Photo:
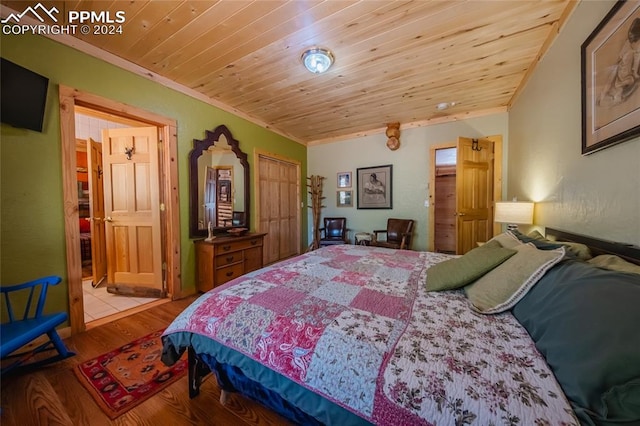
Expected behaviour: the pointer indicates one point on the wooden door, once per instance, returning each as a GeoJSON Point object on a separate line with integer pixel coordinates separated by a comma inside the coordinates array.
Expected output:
{"type": "Point", "coordinates": [474, 192]}
{"type": "Point", "coordinates": [210, 197]}
{"type": "Point", "coordinates": [96, 210]}
{"type": "Point", "coordinates": [132, 211]}
{"type": "Point", "coordinates": [279, 214]}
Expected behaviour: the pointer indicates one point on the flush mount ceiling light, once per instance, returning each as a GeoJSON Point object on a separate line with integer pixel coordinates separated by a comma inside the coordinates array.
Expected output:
{"type": "Point", "coordinates": [317, 60]}
{"type": "Point", "coordinates": [444, 105]}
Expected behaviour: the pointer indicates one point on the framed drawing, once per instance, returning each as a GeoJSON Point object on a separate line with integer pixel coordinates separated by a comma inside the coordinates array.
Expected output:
{"type": "Point", "coordinates": [610, 79]}
{"type": "Point", "coordinates": [344, 180]}
{"type": "Point", "coordinates": [375, 187]}
{"type": "Point", "coordinates": [344, 199]}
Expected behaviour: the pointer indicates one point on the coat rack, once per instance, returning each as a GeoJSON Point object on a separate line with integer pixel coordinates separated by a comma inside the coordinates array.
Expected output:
{"type": "Point", "coordinates": [315, 189]}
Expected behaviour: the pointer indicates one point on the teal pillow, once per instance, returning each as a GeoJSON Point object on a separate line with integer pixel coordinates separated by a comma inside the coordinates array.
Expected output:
{"type": "Point", "coordinates": [584, 320]}
{"type": "Point", "coordinates": [458, 272]}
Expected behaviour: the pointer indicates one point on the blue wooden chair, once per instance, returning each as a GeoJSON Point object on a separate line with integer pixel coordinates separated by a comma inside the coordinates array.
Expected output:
{"type": "Point", "coordinates": [19, 331]}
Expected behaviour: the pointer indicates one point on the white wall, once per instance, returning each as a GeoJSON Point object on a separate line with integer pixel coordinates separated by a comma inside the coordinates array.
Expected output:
{"type": "Point", "coordinates": [410, 171]}
{"type": "Point", "coordinates": [598, 194]}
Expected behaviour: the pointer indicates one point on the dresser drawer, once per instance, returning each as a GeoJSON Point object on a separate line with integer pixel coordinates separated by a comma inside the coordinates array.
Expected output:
{"type": "Point", "coordinates": [228, 247]}
{"type": "Point", "coordinates": [229, 258]}
{"type": "Point", "coordinates": [228, 273]}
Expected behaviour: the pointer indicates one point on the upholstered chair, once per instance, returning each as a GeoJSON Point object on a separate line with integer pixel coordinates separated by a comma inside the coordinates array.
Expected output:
{"type": "Point", "coordinates": [334, 231]}
{"type": "Point", "coordinates": [399, 232]}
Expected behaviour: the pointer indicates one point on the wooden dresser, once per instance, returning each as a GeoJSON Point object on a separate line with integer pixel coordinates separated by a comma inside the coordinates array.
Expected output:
{"type": "Point", "coordinates": [226, 258]}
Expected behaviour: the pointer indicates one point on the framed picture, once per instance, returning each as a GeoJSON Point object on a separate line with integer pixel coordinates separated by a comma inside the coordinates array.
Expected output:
{"type": "Point", "coordinates": [375, 187]}
{"type": "Point", "coordinates": [610, 82]}
{"type": "Point", "coordinates": [344, 180]}
{"type": "Point", "coordinates": [344, 199]}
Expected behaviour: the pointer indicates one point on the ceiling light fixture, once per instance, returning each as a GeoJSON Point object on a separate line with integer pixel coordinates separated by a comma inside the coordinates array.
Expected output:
{"type": "Point", "coordinates": [444, 105]}
{"type": "Point", "coordinates": [317, 60]}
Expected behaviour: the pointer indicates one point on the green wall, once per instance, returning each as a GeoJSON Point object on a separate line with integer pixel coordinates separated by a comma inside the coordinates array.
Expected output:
{"type": "Point", "coordinates": [596, 194]}
{"type": "Point", "coordinates": [32, 240]}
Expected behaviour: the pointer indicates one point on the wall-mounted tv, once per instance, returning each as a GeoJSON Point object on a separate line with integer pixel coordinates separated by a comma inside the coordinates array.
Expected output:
{"type": "Point", "coordinates": [24, 96]}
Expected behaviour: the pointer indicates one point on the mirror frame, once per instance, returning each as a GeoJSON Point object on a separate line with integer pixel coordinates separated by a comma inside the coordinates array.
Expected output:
{"type": "Point", "coordinates": [199, 146]}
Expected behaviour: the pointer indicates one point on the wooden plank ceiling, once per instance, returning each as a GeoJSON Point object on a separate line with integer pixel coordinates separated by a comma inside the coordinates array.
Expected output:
{"type": "Point", "coordinates": [395, 60]}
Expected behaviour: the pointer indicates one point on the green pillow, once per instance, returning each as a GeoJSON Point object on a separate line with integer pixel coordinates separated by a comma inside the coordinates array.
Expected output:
{"type": "Point", "coordinates": [580, 251]}
{"type": "Point", "coordinates": [507, 240]}
{"type": "Point", "coordinates": [458, 272]}
{"type": "Point", "coordinates": [614, 263]}
{"type": "Point", "coordinates": [500, 289]}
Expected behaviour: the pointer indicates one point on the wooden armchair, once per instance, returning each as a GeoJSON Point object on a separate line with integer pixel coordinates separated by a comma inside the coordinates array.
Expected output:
{"type": "Point", "coordinates": [334, 231]}
{"type": "Point", "coordinates": [21, 330]}
{"type": "Point", "coordinates": [399, 232]}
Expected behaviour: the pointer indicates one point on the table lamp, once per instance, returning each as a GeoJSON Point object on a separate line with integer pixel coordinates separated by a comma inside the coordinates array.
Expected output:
{"type": "Point", "coordinates": [513, 213]}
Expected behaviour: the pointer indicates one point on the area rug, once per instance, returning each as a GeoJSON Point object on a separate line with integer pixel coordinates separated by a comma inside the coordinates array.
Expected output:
{"type": "Point", "coordinates": [123, 378]}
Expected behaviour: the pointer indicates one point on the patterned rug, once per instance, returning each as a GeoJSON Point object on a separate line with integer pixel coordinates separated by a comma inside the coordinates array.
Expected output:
{"type": "Point", "coordinates": [123, 378]}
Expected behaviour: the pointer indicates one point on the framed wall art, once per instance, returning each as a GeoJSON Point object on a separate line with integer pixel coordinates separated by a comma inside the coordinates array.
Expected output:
{"type": "Point", "coordinates": [611, 79]}
{"type": "Point", "coordinates": [344, 198]}
{"type": "Point", "coordinates": [344, 180]}
{"type": "Point", "coordinates": [375, 187]}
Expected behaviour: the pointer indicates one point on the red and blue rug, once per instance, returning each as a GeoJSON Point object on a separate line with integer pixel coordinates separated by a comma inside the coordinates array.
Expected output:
{"type": "Point", "coordinates": [123, 378]}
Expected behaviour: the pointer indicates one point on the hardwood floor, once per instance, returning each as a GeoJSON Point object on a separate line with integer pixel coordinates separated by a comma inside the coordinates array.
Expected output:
{"type": "Point", "coordinates": [53, 395]}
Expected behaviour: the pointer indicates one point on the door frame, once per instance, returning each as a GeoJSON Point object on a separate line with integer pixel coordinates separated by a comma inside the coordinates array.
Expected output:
{"type": "Point", "coordinates": [497, 182]}
{"type": "Point", "coordinates": [170, 217]}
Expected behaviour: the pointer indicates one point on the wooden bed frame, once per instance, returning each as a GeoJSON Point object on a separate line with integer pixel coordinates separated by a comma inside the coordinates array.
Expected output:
{"type": "Point", "coordinates": [629, 252]}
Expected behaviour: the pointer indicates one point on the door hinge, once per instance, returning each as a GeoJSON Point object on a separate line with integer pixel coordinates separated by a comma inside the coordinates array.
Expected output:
{"type": "Point", "coordinates": [162, 207]}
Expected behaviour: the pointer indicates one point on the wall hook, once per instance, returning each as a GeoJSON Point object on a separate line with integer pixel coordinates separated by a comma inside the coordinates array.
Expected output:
{"type": "Point", "coordinates": [129, 151]}
{"type": "Point", "coordinates": [474, 145]}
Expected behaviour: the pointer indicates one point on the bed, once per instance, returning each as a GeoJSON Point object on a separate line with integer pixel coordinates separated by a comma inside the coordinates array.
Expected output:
{"type": "Point", "coordinates": [359, 335]}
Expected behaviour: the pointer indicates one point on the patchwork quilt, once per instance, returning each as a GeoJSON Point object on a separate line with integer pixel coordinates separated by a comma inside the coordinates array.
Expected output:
{"type": "Point", "coordinates": [355, 325]}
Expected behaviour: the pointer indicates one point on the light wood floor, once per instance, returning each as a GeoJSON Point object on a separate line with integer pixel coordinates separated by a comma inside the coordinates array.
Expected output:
{"type": "Point", "coordinates": [53, 395]}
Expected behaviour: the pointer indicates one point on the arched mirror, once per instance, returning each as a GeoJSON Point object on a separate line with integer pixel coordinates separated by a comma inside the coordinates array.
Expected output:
{"type": "Point", "coordinates": [219, 184]}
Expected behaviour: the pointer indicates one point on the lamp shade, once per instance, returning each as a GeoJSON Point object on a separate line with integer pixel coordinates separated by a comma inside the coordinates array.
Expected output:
{"type": "Point", "coordinates": [514, 212]}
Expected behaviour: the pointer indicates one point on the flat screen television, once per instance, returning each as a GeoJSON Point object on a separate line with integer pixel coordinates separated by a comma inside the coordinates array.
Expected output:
{"type": "Point", "coordinates": [24, 96]}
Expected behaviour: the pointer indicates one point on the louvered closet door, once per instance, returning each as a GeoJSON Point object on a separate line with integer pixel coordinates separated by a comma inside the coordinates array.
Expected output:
{"type": "Point", "coordinates": [279, 214]}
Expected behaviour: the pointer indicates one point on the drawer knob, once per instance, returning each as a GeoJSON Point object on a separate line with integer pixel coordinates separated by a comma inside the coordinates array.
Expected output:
{"type": "Point", "coordinates": [226, 248]}
{"type": "Point", "coordinates": [229, 274]}
{"type": "Point", "coordinates": [229, 259]}
{"type": "Point", "coordinates": [254, 242]}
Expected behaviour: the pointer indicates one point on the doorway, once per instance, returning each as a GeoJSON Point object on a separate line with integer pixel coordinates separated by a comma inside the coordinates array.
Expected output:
{"type": "Point", "coordinates": [277, 184]}
{"type": "Point", "coordinates": [465, 180]}
{"type": "Point", "coordinates": [167, 190]}
{"type": "Point", "coordinates": [101, 299]}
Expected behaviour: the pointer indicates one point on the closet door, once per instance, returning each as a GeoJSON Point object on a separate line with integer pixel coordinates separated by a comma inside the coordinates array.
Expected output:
{"type": "Point", "coordinates": [279, 211]}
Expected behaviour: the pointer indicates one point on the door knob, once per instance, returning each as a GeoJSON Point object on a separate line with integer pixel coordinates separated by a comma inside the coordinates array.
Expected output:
{"type": "Point", "coordinates": [108, 219]}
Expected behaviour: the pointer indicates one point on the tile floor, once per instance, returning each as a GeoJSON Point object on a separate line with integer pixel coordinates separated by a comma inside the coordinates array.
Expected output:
{"type": "Point", "coordinates": [99, 303]}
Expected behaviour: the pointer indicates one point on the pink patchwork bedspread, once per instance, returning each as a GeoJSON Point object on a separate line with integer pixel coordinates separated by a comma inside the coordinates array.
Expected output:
{"type": "Point", "coordinates": [355, 325]}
